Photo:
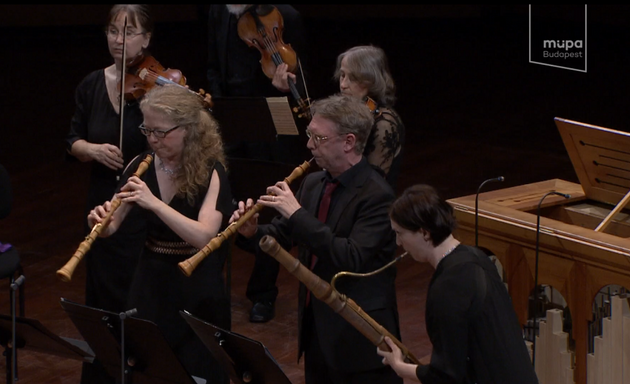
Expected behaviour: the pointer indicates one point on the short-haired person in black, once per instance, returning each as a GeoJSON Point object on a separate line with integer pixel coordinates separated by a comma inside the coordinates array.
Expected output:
{"type": "Point", "coordinates": [469, 316]}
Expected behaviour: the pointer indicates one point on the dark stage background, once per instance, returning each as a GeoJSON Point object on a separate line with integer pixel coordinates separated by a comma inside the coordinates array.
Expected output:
{"type": "Point", "coordinates": [473, 105]}
{"type": "Point", "coordinates": [462, 72]}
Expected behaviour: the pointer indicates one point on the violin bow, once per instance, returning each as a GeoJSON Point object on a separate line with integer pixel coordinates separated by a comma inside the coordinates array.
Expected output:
{"type": "Point", "coordinates": [121, 97]}
{"type": "Point", "coordinates": [308, 98]}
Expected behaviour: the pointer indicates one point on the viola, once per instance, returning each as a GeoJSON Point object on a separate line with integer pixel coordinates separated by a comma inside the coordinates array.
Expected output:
{"type": "Point", "coordinates": [144, 72]}
{"type": "Point", "coordinates": [262, 27]}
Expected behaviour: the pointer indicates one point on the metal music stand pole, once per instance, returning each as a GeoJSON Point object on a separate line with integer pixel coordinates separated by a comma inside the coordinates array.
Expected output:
{"type": "Point", "coordinates": [14, 286]}
{"type": "Point", "coordinates": [123, 366]}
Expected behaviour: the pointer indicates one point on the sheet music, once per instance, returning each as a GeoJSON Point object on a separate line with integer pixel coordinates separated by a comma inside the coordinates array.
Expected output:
{"type": "Point", "coordinates": [282, 115]}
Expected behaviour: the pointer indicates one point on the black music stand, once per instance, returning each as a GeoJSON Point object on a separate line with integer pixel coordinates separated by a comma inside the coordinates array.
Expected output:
{"type": "Point", "coordinates": [245, 360]}
{"type": "Point", "coordinates": [150, 360]}
{"type": "Point", "coordinates": [30, 334]}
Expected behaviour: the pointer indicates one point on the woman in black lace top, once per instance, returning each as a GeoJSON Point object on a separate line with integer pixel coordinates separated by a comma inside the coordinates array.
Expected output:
{"type": "Point", "coordinates": [363, 72]}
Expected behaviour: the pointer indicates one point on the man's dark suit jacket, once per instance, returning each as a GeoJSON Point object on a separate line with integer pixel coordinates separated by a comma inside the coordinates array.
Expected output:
{"type": "Point", "coordinates": [356, 237]}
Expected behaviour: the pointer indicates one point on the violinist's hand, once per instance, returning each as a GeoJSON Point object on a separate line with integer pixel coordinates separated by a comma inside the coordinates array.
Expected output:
{"type": "Point", "coordinates": [249, 227]}
{"type": "Point", "coordinates": [280, 197]}
{"type": "Point", "coordinates": [281, 78]}
{"type": "Point", "coordinates": [108, 155]}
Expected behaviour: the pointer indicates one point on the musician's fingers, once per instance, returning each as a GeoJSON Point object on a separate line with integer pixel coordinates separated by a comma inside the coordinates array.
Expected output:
{"type": "Point", "coordinates": [391, 343]}
{"type": "Point", "coordinates": [242, 208]}
{"type": "Point", "coordinates": [264, 199]}
{"type": "Point", "coordinates": [115, 151]}
{"type": "Point", "coordinates": [282, 185]}
{"type": "Point", "coordinates": [111, 163]}
{"type": "Point", "coordinates": [134, 180]}
{"type": "Point", "coordinates": [274, 189]}
{"type": "Point", "coordinates": [99, 212]}
{"type": "Point", "coordinates": [281, 69]}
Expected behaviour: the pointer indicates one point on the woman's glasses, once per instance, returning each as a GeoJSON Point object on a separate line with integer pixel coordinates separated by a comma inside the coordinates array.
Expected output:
{"type": "Point", "coordinates": [160, 134]}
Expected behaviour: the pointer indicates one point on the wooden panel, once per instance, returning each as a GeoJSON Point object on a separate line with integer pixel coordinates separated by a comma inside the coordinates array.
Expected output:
{"type": "Point", "coordinates": [575, 260]}
{"type": "Point", "coordinates": [600, 157]}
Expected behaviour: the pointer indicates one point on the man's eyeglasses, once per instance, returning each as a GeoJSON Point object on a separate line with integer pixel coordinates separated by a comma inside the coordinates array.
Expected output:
{"type": "Point", "coordinates": [160, 134]}
{"type": "Point", "coordinates": [317, 139]}
{"type": "Point", "coordinates": [113, 33]}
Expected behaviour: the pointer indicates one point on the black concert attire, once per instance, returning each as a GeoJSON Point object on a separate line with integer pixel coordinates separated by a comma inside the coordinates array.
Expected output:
{"type": "Point", "coordinates": [384, 147]}
{"type": "Point", "coordinates": [472, 325]}
{"type": "Point", "coordinates": [160, 289]}
{"type": "Point", "coordinates": [111, 261]}
{"type": "Point", "coordinates": [355, 237]}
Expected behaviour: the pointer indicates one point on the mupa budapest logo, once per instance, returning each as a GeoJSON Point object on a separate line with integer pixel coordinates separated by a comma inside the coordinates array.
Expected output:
{"type": "Point", "coordinates": [557, 36]}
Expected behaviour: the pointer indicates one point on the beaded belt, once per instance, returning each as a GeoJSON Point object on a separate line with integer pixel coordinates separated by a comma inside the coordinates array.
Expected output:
{"type": "Point", "coordinates": [170, 247]}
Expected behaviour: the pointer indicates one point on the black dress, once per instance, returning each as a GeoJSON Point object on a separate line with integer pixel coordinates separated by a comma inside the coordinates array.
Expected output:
{"type": "Point", "coordinates": [111, 262]}
{"type": "Point", "coordinates": [472, 325]}
{"type": "Point", "coordinates": [160, 290]}
{"type": "Point", "coordinates": [384, 147]}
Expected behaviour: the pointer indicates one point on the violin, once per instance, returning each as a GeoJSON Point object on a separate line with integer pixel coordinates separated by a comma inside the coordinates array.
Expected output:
{"type": "Point", "coordinates": [262, 26]}
{"type": "Point", "coordinates": [144, 72]}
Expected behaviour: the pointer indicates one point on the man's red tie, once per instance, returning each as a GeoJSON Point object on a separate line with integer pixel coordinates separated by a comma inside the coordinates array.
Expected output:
{"type": "Point", "coordinates": [324, 205]}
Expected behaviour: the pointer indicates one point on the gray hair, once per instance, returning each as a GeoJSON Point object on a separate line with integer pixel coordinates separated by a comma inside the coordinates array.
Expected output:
{"type": "Point", "coordinates": [368, 66]}
{"type": "Point", "coordinates": [349, 115]}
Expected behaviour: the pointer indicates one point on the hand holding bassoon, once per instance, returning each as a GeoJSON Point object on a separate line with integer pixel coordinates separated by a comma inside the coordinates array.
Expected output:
{"type": "Point", "coordinates": [65, 273]}
{"type": "Point", "coordinates": [342, 305]}
{"type": "Point", "coordinates": [188, 266]}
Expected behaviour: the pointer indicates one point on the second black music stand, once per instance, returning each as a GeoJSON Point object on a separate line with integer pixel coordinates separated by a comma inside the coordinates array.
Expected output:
{"type": "Point", "coordinates": [245, 360]}
{"type": "Point", "coordinates": [150, 360]}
